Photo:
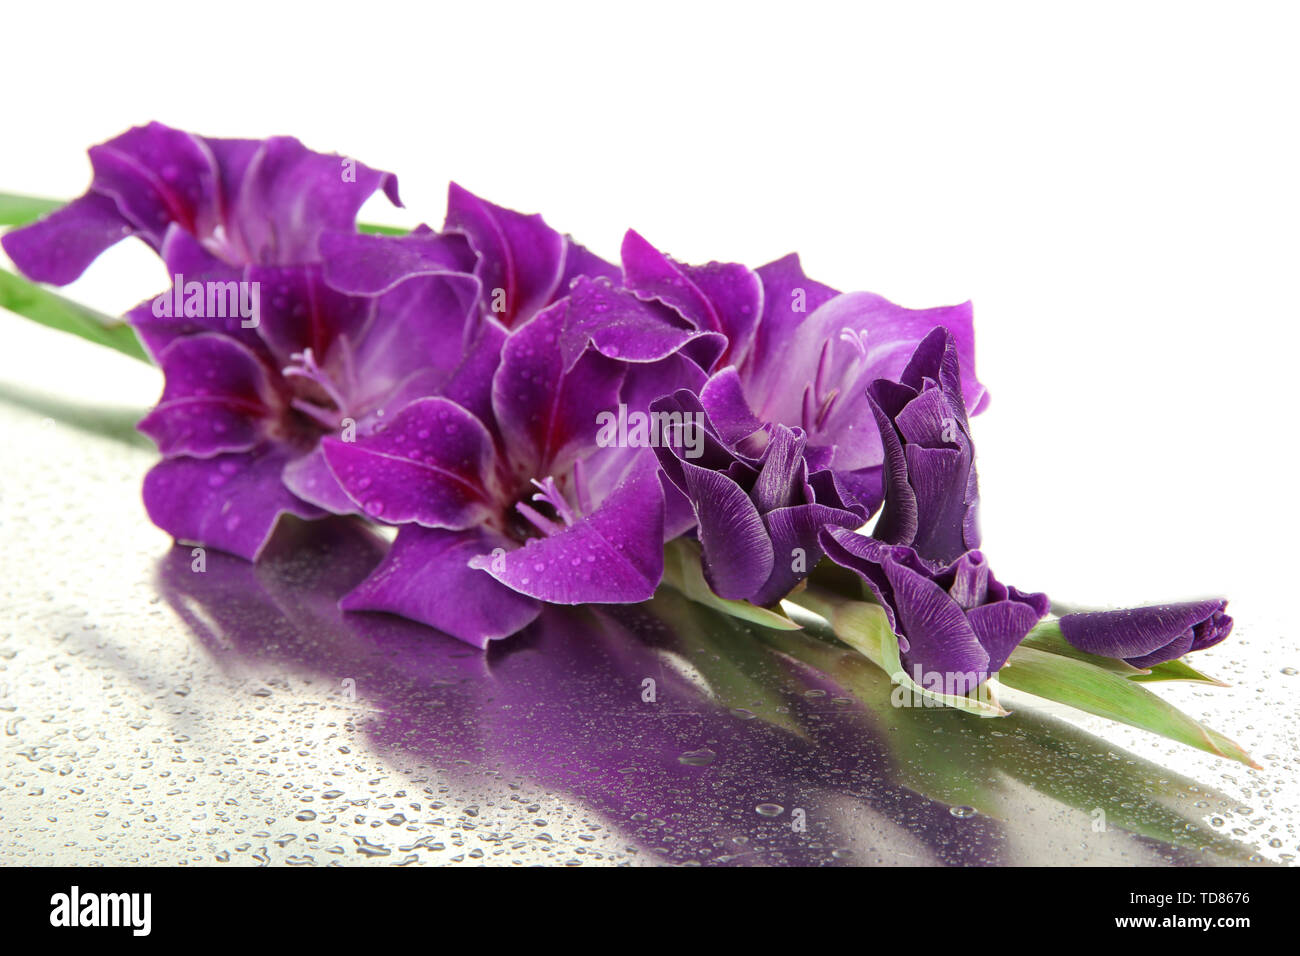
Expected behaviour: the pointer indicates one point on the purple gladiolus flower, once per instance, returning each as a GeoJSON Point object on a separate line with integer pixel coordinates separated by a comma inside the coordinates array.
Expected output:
{"type": "Point", "coordinates": [241, 417]}
{"type": "Point", "coordinates": [1147, 636]}
{"type": "Point", "coordinates": [931, 489]}
{"type": "Point", "coordinates": [956, 623]}
{"type": "Point", "coordinates": [343, 329]}
{"type": "Point", "coordinates": [757, 517]}
{"type": "Point", "coordinates": [506, 499]}
{"type": "Point", "coordinates": [801, 354]}
{"type": "Point", "coordinates": [238, 201]}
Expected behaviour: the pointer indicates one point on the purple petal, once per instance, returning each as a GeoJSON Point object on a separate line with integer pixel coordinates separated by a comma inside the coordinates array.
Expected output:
{"type": "Point", "coordinates": [1211, 631]}
{"type": "Point", "coordinates": [430, 465]}
{"type": "Point", "coordinates": [644, 383]}
{"type": "Point", "coordinates": [580, 261]}
{"type": "Point", "coordinates": [866, 557]}
{"type": "Point", "coordinates": [795, 549]}
{"type": "Point", "coordinates": [162, 320]}
{"type": "Point", "coordinates": [310, 478]}
{"type": "Point", "coordinates": [789, 297]}
{"type": "Point", "coordinates": [547, 413]}
{"type": "Point", "coordinates": [230, 502]}
{"type": "Point", "coordinates": [781, 473]}
{"type": "Point", "coordinates": [426, 577]}
{"type": "Point", "coordinates": [299, 311]}
{"type": "Point", "coordinates": [289, 196]}
{"type": "Point", "coordinates": [938, 478]}
{"type": "Point", "coordinates": [470, 384]}
{"type": "Point", "coordinates": [520, 256]}
{"type": "Point", "coordinates": [58, 248]}
{"type": "Point", "coordinates": [940, 638]}
{"type": "Point", "coordinates": [719, 297]}
{"type": "Point", "coordinates": [737, 551]}
{"type": "Point", "coordinates": [723, 398]}
{"type": "Point", "coordinates": [866, 486]}
{"type": "Point", "coordinates": [1175, 649]}
{"type": "Point", "coordinates": [619, 325]}
{"type": "Point", "coordinates": [901, 518]}
{"type": "Point", "coordinates": [362, 264]}
{"type": "Point", "coordinates": [158, 176]}
{"type": "Point", "coordinates": [217, 398]}
{"type": "Point", "coordinates": [424, 327]}
{"type": "Point", "coordinates": [1000, 627]}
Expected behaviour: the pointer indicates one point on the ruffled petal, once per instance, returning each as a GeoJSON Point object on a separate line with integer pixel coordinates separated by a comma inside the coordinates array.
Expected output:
{"type": "Point", "coordinates": [794, 534]}
{"type": "Point", "coordinates": [426, 577]}
{"type": "Point", "coordinates": [737, 552]}
{"type": "Point", "coordinates": [157, 176]}
{"type": "Point", "coordinates": [288, 196]}
{"type": "Point", "coordinates": [218, 397]}
{"type": "Point", "coordinates": [718, 297]}
{"type": "Point", "coordinates": [940, 639]}
{"type": "Point", "coordinates": [619, 325]}
{"type": "Point", "coordinates": [361, 264]}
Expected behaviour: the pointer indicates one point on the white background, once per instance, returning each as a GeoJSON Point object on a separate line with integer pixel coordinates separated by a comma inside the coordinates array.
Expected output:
{"type": "Point", "coordinates": [1114, 185]}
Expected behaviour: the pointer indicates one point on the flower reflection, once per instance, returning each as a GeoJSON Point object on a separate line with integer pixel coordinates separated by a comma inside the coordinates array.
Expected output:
{"type": "Point", "coordinates": [673, 725]}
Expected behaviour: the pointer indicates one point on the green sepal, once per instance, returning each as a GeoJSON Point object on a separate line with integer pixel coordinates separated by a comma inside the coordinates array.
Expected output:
{"type": "Point", "coordinates": [684, 572]}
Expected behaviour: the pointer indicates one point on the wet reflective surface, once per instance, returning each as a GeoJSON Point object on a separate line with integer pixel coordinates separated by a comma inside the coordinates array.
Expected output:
{"type": "Point", "coordinates": [158, 709]}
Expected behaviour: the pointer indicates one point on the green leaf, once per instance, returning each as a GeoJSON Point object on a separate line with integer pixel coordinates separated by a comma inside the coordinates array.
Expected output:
{"type": "Point", "coordinates": [1000, 767]}
{"type": "Point", "coordinates": [1047, 637]}
{"type": "Point", "coordinates": [48, 308]}
{"type": "Point", "coordinates": [684, 572]}
{"type": "Point", "coordinates": [1096, 691]}
{"type": "Point", "coordinates": [21, 210]}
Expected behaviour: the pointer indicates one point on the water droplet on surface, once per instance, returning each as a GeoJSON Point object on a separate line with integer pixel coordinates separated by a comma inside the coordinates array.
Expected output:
{"type": "Point", "coordinates": [698, 758]}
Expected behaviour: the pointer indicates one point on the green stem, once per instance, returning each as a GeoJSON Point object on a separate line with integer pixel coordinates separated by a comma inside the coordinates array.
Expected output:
{"type": "Point", "coordinates": [20, 210]}
{"type": "Point", "coordinates": [53, 310]}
